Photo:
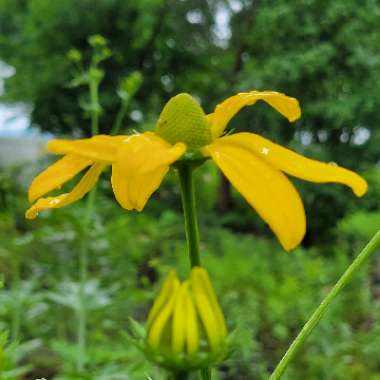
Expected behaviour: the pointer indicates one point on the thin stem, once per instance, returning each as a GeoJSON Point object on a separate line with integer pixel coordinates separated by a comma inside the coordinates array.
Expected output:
{"type": "Point", "coordinates": [16, 312]}
{"type": "Point", "coordinates": [190, 213]}
{"type": "Point", "coordinates": [119, 118]}
{"type": "Point", "coordinates": [185, 171]}
{"type": "Point", "coordinates": [83, 248]}
{"type": "Point", "coordinates": [321, 309]}
{"type": "Point", "coordinates": [178, 376]}
{"type": "Point", "coordinates": [206, 373]}
{"type": "Point", "coordinates": [94, 97]}
{"type": "Point", "coordinates": [83, 269]}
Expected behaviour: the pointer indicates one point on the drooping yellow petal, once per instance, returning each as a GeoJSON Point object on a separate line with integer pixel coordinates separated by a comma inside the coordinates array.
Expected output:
{"type": "Point", "coordinates": [296, 165]}
{"type": "Point", "coordinates": [80, 190]}
{"type": "Point", "coordinates": [143, 161]}
{"type": "Point", "coordinates": [192, 331]}
{"type": "Point", "coordinates": [226, 110]}
{"type": "Point", "coordinates": [101, 148]}
{"type": "Point", "coordinates": [56, 175]}
{"type": "Point", "coordinates": [170, 285]}
{"type": "Point", "coordinates": [204, 280]}
{"type": "Point", "coordinates": [265, 188]}
{"type": "Point", "coordinates": [179, 319]}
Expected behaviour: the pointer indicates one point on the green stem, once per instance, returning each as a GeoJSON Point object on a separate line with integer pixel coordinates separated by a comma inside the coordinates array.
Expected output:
{"type": "Point", "coordinates": [94, 97]}
{"type": "Point", "coordinates": [206, 374]}
{"type": "Point", "coordinates": [83, 248]}
{"type": "Point", "coordinates": [119, 118]}
{"type": "Point", "coordinates": [83, 268]}
{"type": "Point", "coordinates": [185, 171]}
{"type": "Point", "coordinates": [16, 312]}
{"type": "Point", "coordinates": [321, 309]}
{"type": "Point", "coordinates": [178, 376]}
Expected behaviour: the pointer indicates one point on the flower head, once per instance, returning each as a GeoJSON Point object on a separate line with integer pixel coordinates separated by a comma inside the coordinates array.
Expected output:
{"type": "Point", "coordinates": [255, 166]}
{"type": "Point", "coordinates": [183, 120]}
{"type": "Point", "coordinates": [186, 327]}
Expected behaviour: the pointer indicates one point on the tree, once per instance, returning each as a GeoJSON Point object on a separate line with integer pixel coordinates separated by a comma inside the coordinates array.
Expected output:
{"type": "Point", "coordinates": [325, 53]}
{"type": "Point", "coordinates": [169, 42]}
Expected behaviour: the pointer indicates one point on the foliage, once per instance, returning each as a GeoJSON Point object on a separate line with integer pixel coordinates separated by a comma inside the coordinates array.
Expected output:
{"type": "Point", "coordinates": [7, 365]}
{"type": "Point", "coordinates": [267, 294]}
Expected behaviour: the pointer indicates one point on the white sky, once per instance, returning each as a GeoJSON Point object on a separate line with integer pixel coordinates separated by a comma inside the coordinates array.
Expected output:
{"type": "Point", "coordinates": [14, 119]}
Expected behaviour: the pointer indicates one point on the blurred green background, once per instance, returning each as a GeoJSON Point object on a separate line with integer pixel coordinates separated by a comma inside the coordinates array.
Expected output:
{"type": "Point", "coordinates": [325, 53]}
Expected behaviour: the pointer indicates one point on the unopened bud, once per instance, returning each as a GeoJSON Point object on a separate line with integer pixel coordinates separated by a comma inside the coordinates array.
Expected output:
{"type": "Point", "coordinates": [186, 328]}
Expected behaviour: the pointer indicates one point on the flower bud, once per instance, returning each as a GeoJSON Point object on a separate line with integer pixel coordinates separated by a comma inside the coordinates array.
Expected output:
{"type": "Point", "coordinates": [183, 120]}
{"type": "Point", "coordinates": [186, 328]}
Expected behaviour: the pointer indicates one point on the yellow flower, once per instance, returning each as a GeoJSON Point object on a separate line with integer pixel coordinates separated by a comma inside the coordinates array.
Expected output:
{"type": "Point", "coordinates": [139, 163]}
{"type": "Point", "coordinates": [186, 327]}
{"type": "Point", "coordinates": [254, 165]}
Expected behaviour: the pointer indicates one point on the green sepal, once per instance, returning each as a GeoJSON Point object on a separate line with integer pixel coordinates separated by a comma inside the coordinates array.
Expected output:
{"type": "Point", "coordinates": [137, 329]}
{"type": "Point", "coordinates": [135, 334]}
{"type": "Point", "coordinates": [193, 158]}
{"type": "Point", "coordinates": [165, 358]}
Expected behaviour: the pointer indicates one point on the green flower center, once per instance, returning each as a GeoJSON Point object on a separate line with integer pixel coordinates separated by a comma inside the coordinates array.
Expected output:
{"type": "Point", "coordinates": [183, 120]}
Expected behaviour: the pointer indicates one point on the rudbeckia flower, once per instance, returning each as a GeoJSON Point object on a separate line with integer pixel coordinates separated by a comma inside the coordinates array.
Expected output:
{"type": "Point", "coordinates": [186, 328]}
{"type": "Point", "coordinates": [255, 166]}
{"type": "Point", "coordinates": [139, 163]}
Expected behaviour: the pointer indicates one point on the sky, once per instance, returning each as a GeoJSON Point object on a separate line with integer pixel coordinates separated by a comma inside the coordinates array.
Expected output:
{"type": "Point", "coordinates": [14, 119]}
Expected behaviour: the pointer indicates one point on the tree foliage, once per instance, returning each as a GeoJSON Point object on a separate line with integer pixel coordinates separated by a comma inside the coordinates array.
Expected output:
{"type": "Point", "coordinates": [325, 53]}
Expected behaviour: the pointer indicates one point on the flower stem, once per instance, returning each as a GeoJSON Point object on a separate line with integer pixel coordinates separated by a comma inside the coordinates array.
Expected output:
{"type": "Point", "coordinates": [94, 98]}
{"type": "Point", "coordinates": [321, 309]}
{"type": "Point", "coordinates": [16, 311]}
{"type": "Point", "coordinates": [206, 374]}
{"type": "Point", "coordinates": [119, 118]}
{"type": "Point", "coordinates": [185, 171]}
{"type": "Point", "coordinates": [83, 247]}
{"type": "Point", "coordinates": [178, 376]}
{"type": "Point", "coordinates": [83, 269]}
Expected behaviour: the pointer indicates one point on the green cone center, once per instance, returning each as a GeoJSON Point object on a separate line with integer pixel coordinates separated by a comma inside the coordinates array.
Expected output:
{"type": "Point", "coordinates": [183, 120]}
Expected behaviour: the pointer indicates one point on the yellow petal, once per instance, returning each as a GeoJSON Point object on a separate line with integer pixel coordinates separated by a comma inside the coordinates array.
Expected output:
{"type": "Point", "coordinates": [296, 165]}
{"type": "Point", "coordinates": [56, 175]}
{"type": "Point", "coordinates": [98, 148]}
{"type": "Point", "coordinates": [226, 110]}
{"type": "Point", "coordinates": [192, 332]}
{"type": "Point", "coordinates": [159, 323]}
{"type": "Point", "coordinates": [170, 285]}
{"type": "Point", "coordinates": [206, 312]}
{"type": "Point", "coordinates": [204, 280]}
{"type": "Point", "coordinates": [142, 162]}
{"type": "Point", "coordinates": [179, 319]}
{"type": "Point", "coordinates": [79, 191]}
{"type": "Point", "coordinates": [265, 188]}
